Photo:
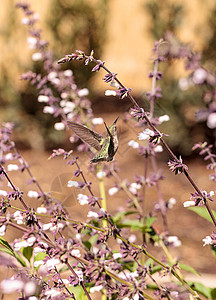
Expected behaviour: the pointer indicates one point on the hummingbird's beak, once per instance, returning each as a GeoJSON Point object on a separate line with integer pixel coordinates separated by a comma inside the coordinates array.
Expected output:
{"type": "Point", "coordinates": [116, 120]}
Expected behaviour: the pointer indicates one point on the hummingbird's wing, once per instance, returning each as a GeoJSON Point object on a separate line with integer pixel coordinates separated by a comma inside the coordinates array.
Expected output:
{"type": "Point", "coordinates": [86, 135]}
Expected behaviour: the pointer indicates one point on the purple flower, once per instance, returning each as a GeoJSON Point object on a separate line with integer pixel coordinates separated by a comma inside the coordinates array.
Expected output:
{"type": "Point", "coordinates": [201, 199]}
{"type": "Point", "coordinates": [155, 94]}
{"type": "Point", "coordinates": [98, 66]}
{"type": "Point", "coordinates": [177, 166]}
{"type": "Point", "coordinates": [77, 173]}
{"type": "Point", "coordinates": [138, 113]}
{"type": "Point", "coordinates": [65, 59]}
{"type": "Point", "coordinates": [110, 77]}
{"type": "Point", "coordinates": [123, 92]}
{"type": "Point", "coordinates": [89, 58]}
{"type": "Point", "coordinates": [158, 75]}
{"type": "Point", "coordinates": [57, 153]}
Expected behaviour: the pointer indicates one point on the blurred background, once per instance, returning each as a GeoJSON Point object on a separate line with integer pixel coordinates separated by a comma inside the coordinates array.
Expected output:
{"type": "Point", "coordinates": [123, 36]}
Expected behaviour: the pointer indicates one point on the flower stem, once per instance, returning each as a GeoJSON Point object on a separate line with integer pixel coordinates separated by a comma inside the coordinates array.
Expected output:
{"type": "Point", "coordinates": [103, 196]}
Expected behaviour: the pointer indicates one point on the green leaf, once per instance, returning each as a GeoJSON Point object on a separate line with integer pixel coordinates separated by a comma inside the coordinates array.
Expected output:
{"type": "Point", "coordinates": [4, 243]}
{"type": "Point", "coordinates": [87, 244]}
{"type": "Point", "coordinates": [91, 241]}
{"type": "Point", "coordinates": [20, 260]}
{"type": "Point", "coordinates": [78, 292]}
{"type": "Point", "coordinates": [16, 255]}
{"type": "Point", "coordinates": [133, 224]}
{"type": "Point", "coordinates": [202, 211]}
{"type": "Point", "coordinates": [149, 221]}
{"type": "Point", "coordinates": [152, 286]}
{"type": "Point", "coordinates": [121, 215]}
{"type": "Point", "coordinates": [129, 265]}
{"type": "Point", "coordinates": [40, 256]}
{"type": "Point", "coordinates": [27, 252]}
{"type": "Point", "coordinates": [156, 269]}
{"type": "Point", "coordinates": [209, 293]}
{"type": "Point", "coordinates": [10, 251]}
{"type": "Point", "coordinates": [188, 268]}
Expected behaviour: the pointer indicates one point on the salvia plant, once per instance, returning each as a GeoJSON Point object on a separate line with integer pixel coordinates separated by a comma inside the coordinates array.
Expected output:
{"type": "Point", "coordinates": [57, 257]}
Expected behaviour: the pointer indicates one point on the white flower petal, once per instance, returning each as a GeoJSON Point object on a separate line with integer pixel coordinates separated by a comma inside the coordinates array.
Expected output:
{"type": "Point", "coordinates": [79, 274]}
{"type": "Point", "coordinates": [53, 293]}
{"type": "Point", "coordinates": [47, 226]}
{"type": "Point", "coordinates": [101, 174]}
{"type": "Point", "coordinates": [133, 190]}
{"type": "Point", "coordinates": [183, 84]}
{"type": "Point", "coordinates": [25, 21]}
{"type": "Point", "coordinates": [83, 199]}
{"type": "Point", "coordinates": [188, 203]}
{"type": "Point", "coordinates": [97, 121]}
{"type": "Point", "coordinates": [31, 240]}
{"type": "Point", "coordinates": [171, 202]}
{"type": "Point", "coordinates": [207, 240]}
{"type": "Point", "coordinates": [174, 240]}
{"type": "Point", "coordinates": [32, 41]}
{"type": "Point", "coordinates": [199, 76]}
{"type": "Point", "coordinates": [110, 93]}
{"type": "Point", "coordinates": [117, 255]}
{"type": "Point", "coordinates": [32, 194]}
{"type": "Point", "coordinates": [2, 230]}
{"type": "Point", "coordinates": [9, 286]}
{"type": "Point", "coordinates": [136, 185]}
{"type": "Point", "coordinates": [30, 288]}
{"type": "Point", "coordinates": [92, 214]}
{"type": "Point", "coordinates": [12, 167]}
{"type": "Point", "coordinates": [59, 126]}
{"type": "Point", "coordinates": [146, 134]}
{"type": "Point", "coordinates": [96, 288]}
{"type": "Point", "coordinates": [158, 149]}
{"type": "Point", "coordinates": [9, 156]}
{"type": "Point", "coordinates": [112, 191]}
{"type": "Point", "coordinates": [164, 118]}
{"type": "Point", "coordinates": [52, 75]}
{"type": "Point", "coordinates": [3, 193]}
{"type": "Point", "coordinates": [48, 110]}
{"type": "Point", "coordinates": [211, 193]}
{"type": "Point", "coordinates": [38, 263]}
{"type": "Point", "coordinates": [76, 252]}
{"type": "Point", "coordinates": [68, 73]}
{"type": "Point", "coordinates": [211, 121]}
{"type": "Point", "coordinates": [83, 92]}
{"type": "Point", "coordinates": [133, 144]}
{"type": "Point", "coordinates": [132, 238]}
{"type": "Point", "coordinates": [52, 262]}
{"type": "Point", "coordinates": [43, 98]}
{"type": "Point", "coordinates": [37, 56]}
{"type": "Point", "coordinates": [41, 210]}
{"type": "Point", "coordinates": [72, 183]}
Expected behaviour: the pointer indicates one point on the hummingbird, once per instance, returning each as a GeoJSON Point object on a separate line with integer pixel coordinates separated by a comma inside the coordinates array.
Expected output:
{"type": "Point", "coordinates": [107, 146]}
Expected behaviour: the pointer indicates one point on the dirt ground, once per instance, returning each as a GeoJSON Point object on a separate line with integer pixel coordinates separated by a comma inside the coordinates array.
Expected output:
{"type": "Point", "coordinates": [189, 227]}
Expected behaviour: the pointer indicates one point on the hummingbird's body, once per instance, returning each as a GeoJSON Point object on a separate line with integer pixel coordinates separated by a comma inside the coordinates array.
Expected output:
{"type": "Point", "coordinates": [107, 146]}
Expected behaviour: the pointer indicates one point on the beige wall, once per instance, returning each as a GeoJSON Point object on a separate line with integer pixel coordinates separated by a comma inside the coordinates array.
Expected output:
{"type": "Point", "coordinates": [128, 44]}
